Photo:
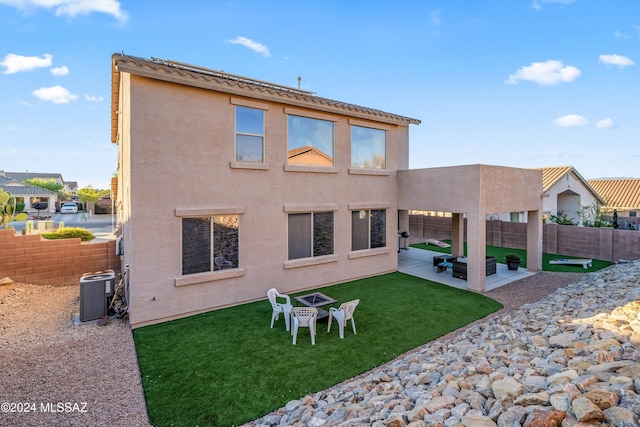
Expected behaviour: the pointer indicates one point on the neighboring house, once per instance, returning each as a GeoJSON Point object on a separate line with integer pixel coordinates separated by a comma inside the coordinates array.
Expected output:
{"type": "Point", "coordinates": [621, 195]}
{"type": "Point", "coordinates": [565, 192]}
{"type": "Point", "coordinates": [29, 194]}
{"type": "Point", "coordinates": [71, 187]}
{"type": "Point", "coordinates": [22, 176]}
{"type": "Point", "coordinates": [67, 187]}
{"type": "Point", "coordinates": [228, 186]}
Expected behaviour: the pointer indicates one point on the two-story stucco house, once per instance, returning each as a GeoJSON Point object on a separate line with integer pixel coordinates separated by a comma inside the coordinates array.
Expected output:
{"type": "Point", "coordinates": [228, 186]}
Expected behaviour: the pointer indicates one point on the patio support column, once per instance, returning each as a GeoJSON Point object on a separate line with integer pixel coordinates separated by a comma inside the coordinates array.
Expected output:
{"type": "Point", "coordinates": [534, 240]}
{"type": "Point", "coordinates": [476, 252]}
{"type": "Point", "coordinates": [457, 234]}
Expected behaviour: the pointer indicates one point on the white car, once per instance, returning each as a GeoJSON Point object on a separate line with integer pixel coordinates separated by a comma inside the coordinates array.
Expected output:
{"type": "Point", "coordinates": [69, 208]}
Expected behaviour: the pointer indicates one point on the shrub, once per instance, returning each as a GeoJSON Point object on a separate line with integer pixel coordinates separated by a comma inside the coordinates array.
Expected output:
{"type": "Point", "coordinates": [70, 233]}
{"type": "Point", "coordinates": [512, 257]}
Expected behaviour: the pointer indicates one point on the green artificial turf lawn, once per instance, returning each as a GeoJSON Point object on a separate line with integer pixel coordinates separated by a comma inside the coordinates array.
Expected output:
{"type": "Point", "coordinates": [500, 253]}
{"type": "Point", "coordinates": [227, 367]}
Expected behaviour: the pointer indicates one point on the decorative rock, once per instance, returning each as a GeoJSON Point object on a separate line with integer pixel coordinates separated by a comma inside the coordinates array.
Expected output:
{"type": "Point", "coordinates": [567, 376]}
{"type": "Point", "coordinates": [585, 410]}
{"type": "Point", "coordinates": [570, 359]}
{"type": "Point", "coordinates": [560, 401]}
{"type": "Point", "coordinates": [476, 420]}
{"type": "Point", "coordinates": [439, 403]}
{"type": "Point", "coordinates": [603, 399]}
{"type": "Point", "coordinates": [544, 418]}
{"type": "Point", "coordinates": [6, 281]}
{"type": "Point", "coordinates": [563, 340]}
{"type": "Point", "coordinates": [513, 416]}
{"type": "Point", "coordinates": [541, 398]}
{"type": "Point", "coordinates": [506, 386]}
{"type": "Point", "coordinates": [621, 417]}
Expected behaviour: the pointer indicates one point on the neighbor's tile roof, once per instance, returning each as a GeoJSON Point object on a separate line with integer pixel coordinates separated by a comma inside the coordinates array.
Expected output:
{"type": "Point", "coordinates": [551, 175]}
{"type": "Point", "coordinates": [219, 80]}
{"type": "Point", "coordinates": [21, 176]}
{"type": "Point", "coordinates": [19, 189]}
{"type": "Point", "coordinates": [621, 194]}
{"type": "Point", "coordinates": [4, 179]}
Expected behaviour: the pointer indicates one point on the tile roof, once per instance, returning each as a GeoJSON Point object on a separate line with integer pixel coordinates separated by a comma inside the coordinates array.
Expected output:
{"type": "Point", "coordinates": [620, 194]}
{"type": "Point", "coordinates": [19, 189]}
{"type": "Point", "coordinates": [21, 176]}
{"type": "Point", "coordinates": [551, 175]}
{"type": "Point", "coordinates": [219, 80]}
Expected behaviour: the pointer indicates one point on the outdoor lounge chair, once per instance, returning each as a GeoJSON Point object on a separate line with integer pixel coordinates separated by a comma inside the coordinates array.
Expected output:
{"type": "Point", "coordinates": [279, 307]}
{"type": "Point", "coordinates": [342, 314]}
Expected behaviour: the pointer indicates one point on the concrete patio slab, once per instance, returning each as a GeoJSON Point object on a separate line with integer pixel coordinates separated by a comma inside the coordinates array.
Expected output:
{"type": "Point", "coordinates": [419, 262]}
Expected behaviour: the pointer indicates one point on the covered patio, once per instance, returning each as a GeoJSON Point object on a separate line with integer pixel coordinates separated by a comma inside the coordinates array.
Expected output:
{"type": "Point", "coordinates": [472, 192]}
{"type": "Point", "coordinates": [419, 263]}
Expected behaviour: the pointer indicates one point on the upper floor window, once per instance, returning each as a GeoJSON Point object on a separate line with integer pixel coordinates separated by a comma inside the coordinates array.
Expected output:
{"type": "Point", "coordinates": [368, 148]}
{"type": "Point", "coordinates": [209, 243]}
{"type": "Point", "coordinates": [368, 229]}
{"type": "Point", "coordinates": [310, 141]}
{"type": "Point", "coordinates": [310, 234]}
{"type": "Point", "coordinates": [249, 134]}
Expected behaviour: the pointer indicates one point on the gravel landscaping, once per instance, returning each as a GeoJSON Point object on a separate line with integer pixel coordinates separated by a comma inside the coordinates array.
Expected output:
{"type": "Point", "coordinates": [54, 373]}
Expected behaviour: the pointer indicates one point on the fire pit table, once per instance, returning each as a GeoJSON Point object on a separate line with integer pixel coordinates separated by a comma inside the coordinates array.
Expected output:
{"type": "Point", "coordinates": [316, 300]}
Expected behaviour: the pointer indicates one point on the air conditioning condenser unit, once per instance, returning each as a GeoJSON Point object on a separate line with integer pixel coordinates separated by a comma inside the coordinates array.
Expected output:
{"type": "Point", "coordinates": [95, 291]}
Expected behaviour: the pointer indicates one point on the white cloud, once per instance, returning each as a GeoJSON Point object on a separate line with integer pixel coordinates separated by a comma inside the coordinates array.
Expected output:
{"type": "Point", "coordinates": [537, 6]}
{"type": "Point", "coordinates": [545, 73]}
{"type": "Point", "coordinates": [23, 102]}
{"type": "Point", "coordinates": [72, 8]}
{"type": "Point", "coordinates": [60, 71]}
{"type": "Point", "coordinates": [619, 60]}
{"type": "Point", "coordinates": [571, 120]}
{"type": "Point", "coordinates": [18, 63]}
{"type": "Point", "coordinates": [55, 94]}
{"type": "Point", "coordinates": [434, 21]}
{"type": "Point", "coordinates": [435, 17]}
{"type": "Point", "coordinates": [619, 35]}
{"type": "Point", "coordinates": [254, 46]}
{"type": "Point", "coordinates": [604, 123]}
{"type": "Point", "coordinates": [92, 98]}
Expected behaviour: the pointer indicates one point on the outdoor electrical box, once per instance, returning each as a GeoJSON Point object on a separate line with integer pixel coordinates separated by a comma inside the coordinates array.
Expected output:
{"type": "Point", "coordinates": [95, 291]}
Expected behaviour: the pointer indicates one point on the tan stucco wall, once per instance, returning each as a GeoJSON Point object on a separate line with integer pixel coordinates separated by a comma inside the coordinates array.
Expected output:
{"type": "Point", "coordinates": [470, 188]}
{"type": "Point", "coordinates": [475, 191]}
{"type": "Point", "coordinates": [180, 157]}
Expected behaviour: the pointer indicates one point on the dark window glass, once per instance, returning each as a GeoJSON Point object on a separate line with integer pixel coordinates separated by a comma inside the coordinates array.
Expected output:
{"type": "Point", "coordinates": [209, 249]}
{"type": "Point", "coordinates": [368, 229]}
{"type": "Point", "coordinates": [196, 245]}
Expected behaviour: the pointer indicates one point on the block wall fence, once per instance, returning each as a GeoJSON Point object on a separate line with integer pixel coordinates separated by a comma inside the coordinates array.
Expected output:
{"type": "Point", "coordinates": [32, 259]}
{"type": "Point", "coordinates": [587, 242]}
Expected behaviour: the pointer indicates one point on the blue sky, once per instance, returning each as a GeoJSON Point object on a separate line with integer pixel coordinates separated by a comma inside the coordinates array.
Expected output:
{"type": "Point", "coordinates": [522, 83]}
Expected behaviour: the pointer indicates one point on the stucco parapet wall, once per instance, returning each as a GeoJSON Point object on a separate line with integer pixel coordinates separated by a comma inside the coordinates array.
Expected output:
{"type": "Point", "coordinates": [470, 189]}
{"type": "Point", "coordinates": [185, 74]}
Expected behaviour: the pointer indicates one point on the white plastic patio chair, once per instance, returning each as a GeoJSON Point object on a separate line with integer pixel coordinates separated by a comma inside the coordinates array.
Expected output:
{"type": "Point", "coordinates": [304, 317]}
{"type": "Point", "coordinates": [342, 314]}
{"type": "Point", "coordinates": [280, 307]}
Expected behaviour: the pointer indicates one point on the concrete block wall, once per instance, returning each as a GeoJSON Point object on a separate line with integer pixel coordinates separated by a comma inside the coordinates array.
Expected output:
{"type": "Point", "coordinates": [32, 259]}
{"type": "Point", "coordinates": [432, 227]}
{"type": "Point", "coordinates": [586, 242]}
{"type": "Point", "coordinates": [513, 235]}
